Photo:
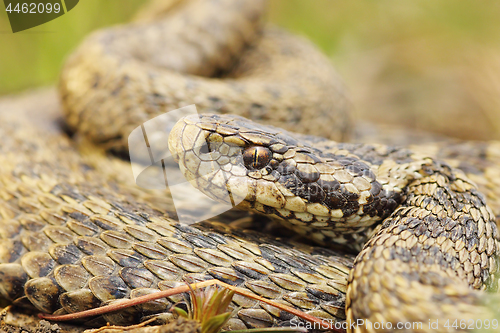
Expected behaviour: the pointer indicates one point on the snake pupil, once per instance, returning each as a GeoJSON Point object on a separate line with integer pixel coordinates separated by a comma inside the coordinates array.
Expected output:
{"type": "Point", "coordinates": [256, 157]}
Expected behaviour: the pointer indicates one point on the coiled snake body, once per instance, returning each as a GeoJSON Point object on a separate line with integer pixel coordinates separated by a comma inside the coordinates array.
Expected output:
{"type": "Point", "coordinates": [77, 234]}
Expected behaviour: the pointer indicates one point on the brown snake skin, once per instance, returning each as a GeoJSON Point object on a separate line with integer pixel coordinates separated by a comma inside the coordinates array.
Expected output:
{"type": "Point", "coordinates": [76, 232]}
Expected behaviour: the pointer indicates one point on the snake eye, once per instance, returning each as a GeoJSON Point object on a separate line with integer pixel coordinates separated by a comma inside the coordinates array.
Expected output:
{"type": "Point", "coordinates": [256, 157]}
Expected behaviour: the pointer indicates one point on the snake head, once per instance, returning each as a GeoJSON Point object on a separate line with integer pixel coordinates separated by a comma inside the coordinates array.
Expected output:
{"type": "Point", "coordinates": [313, 183]}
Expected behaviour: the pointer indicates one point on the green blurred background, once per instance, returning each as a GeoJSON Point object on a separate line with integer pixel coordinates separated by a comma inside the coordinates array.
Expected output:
{"type": "Point", "coordinates": [407, 62]}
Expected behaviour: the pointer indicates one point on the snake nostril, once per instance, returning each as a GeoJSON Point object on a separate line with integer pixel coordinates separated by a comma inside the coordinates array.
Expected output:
{"type": "Point", "coordinates": [204, 149]}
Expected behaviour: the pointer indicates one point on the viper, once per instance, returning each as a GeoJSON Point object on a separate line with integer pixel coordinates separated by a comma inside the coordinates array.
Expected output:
{"type": "Point", "coordinates": [78, 233]}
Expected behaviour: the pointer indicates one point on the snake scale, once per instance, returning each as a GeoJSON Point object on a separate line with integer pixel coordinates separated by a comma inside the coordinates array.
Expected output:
{"type": "Point", "coordinates": [76, 232]}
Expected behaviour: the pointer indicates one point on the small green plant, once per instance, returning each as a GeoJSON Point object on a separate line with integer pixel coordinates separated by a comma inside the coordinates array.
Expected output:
{"type": "Point", "coordinates": [208, 306]}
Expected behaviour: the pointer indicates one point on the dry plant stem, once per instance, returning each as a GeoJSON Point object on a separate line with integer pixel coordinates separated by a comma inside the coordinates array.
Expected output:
{"type": "Point", "coordinates": [166, 293]}
{"type": "Point", "coordinates": [131, 327]}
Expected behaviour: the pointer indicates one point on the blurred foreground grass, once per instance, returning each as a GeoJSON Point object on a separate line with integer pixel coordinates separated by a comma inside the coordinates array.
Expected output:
{"type": "Point", "coordinates": [398, 58]}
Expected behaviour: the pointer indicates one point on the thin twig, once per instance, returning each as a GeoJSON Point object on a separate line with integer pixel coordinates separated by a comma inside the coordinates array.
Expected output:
{"type": "Point", "coordinates": [122, 304]}
{"type": "Point", "coordinates": [130, 327]}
